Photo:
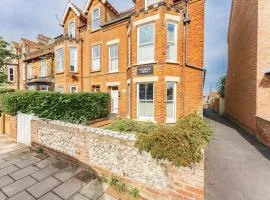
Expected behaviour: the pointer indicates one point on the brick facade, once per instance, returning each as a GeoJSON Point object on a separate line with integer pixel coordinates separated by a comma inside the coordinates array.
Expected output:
{"type": "Point", "coordinates": [247, 85]}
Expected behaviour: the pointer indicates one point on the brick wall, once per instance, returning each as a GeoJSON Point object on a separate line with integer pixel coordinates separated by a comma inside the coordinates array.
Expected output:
{"type": "Point", "coordinates": [263, 131]}
{"type": "Point", "coordinates": [110, 153]}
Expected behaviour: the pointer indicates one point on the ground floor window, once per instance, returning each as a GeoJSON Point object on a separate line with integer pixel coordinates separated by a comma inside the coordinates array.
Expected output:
{"type": "Point", "coordinates": [73, 89]}
{"type": "Point", "coordinates": [146, 101]}
{"type": "Point", "coordinates": [95, 88]}
{"type": "Point", "coordinates": [44, 88]}
{"type": "Point", "coordinates": [60, 89]}
{"type": "Point", "coordinates": [171, 102]}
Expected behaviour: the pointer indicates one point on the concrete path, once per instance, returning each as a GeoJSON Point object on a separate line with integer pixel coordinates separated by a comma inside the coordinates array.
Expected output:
{"type": "Point", "coordinates": [237, 165]}
{"type": "Point", "coordinates": [27, 175]}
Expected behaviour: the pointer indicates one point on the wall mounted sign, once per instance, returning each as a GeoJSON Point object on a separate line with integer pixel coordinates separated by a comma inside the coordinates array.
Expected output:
{"type": "Point", "coordinates": [145, 70]}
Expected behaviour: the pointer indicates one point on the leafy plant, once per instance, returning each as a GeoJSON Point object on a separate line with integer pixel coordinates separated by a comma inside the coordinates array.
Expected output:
{"type": "Point", "coordinates": [79, 108]}
{"type": "Point", "coordinates": [134, 193]}
{"type": "Point", "coordinates": [39, 150]}
{"type": "Point", "coordinates": [221, 86]}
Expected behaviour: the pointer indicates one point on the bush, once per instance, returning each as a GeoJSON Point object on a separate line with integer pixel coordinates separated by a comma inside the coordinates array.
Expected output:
{"type": "Point", "coordinates": [79, 108]}
{"type": "Point", "coordinates": [6, 90]}
{"type": "Point", "coordinates": [129, 125]}
{"type": "Point", "coordinates": [180, 144]}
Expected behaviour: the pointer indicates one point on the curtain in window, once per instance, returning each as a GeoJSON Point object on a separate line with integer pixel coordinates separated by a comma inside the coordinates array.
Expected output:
{"type": "Point", "coordinates": [73, 59]}
{"type": "Point", "coordinates": [146, 43]}
{"type": "Point", "coordinates": [96, 58]}
{"type": "Point", "coordinates": [113, 50]}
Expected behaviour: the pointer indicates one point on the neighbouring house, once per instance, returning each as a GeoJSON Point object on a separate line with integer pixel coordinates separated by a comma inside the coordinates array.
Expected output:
{"type": "Point", "coordinates": [149, 58]}
{"type": "Point", "coordinates": [248, 77]}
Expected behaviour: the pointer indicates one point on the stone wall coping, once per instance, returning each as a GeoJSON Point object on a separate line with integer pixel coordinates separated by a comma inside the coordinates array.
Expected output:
{"type": "Point", "coordinates": [264, 118]}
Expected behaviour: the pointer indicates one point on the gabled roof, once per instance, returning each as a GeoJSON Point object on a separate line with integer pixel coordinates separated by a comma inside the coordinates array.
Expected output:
{"type": "Point", "coordinates": [71, 6]}
{"type": "Point", "coordinates": [106, 2]}
{"type": "Point", "coordinates": [31, 44]}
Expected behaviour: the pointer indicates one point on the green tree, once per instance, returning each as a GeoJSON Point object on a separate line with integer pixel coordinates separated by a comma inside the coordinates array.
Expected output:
{"type": "Point", "coordinates": [221, 85]}
{"type": "Point", "coordinates": [6, 55]}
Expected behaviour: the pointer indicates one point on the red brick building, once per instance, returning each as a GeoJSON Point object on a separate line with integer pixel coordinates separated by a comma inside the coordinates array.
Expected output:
{"type": "Point", "coordinates": [149, 58]}
{"type": "Point", "coordinates": [248, 76]}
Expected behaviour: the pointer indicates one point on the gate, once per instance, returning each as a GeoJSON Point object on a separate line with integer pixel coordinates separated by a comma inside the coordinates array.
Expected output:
{"type": "Point", "coordinates": [24, 128]}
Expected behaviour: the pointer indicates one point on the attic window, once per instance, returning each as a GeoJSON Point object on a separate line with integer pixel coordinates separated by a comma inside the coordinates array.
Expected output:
{"type": "Point", "coordinates": [96, 19]}
{"type": "Point", "coordinates": [151, 2]}
{"type": "Point", "coordinates": [71, 29]}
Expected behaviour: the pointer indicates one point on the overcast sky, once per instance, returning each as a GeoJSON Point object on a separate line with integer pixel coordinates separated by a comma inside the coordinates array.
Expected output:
{"type": "Point", "coordinates": [27, 18]}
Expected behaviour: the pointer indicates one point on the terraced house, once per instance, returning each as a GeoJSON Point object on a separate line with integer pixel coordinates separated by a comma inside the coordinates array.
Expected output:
{"type": "Point", "coordinates": [149, 58]}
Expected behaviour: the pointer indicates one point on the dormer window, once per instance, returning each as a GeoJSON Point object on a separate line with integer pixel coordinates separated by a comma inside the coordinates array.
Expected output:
{"type": "Point", "coordinates": [151, 2]}
{"type": "Point", "coordinates": [96, 22]}
{"type": "Point", "coordinates": [71, 29]}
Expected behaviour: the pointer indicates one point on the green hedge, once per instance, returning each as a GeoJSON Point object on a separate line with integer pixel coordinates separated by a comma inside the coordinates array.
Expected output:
{"type": "Point", "coordinates": [79, 108]}
{"type": "Point", "coordinates": [181, 144]}
{"type": "Point", "coordinates": [6, 90]}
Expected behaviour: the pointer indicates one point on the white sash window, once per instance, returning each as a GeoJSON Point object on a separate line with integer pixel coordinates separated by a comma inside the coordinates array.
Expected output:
{"type": "Point", "coordinates": [11, 74]}
{"type": "Point", "coordinates": [96, 58]}
{"type": "Point", "coordinates": [113, 58]}
{"type": "Point", "coordinates": [172, 41]}
{"type": "Point", "coordinates": [146, 101]}
{"type": "Point", "coordinates": [171, 102]}
{"type": "Point", "coordinates": [96, 22]}
{"type": "Point", "coordinates": [73, 59]}
{"type": "Point", "coordinates": [43, 68]}
{"type": "Point", "coordinates": [60, 60]}
{"type": "Point", "coordinates": [72, 29]}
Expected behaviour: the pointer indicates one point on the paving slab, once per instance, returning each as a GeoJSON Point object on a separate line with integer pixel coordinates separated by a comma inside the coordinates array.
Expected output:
{"type": "Point", "coordinates": [7, 170]}
{"type": "Point", "coordinates": [41, 188]}
{"type": "Point", "coordinates": [94, 189]}
{"type": "Point", "coordinates": [24, 172]}
{"type": "Point", "coordinates": [69, 188]}
{"type": "Point", "coordinates": [5, 180]}
{"type": "Point", "coordinates": [27, 162]}
{"type": "Point", "coordinates": [50, 196]}
{"type": "Point", "coordinates": [18, 186]}
{"type": "Point", "coordinates": [44, 173]}
{"type": "Point", "coordinates": [106, 197]}
{"type": "Point", "coordinates": [2, 196]}
{"type": "Point", "coordinates": [9, 163]}
{"type": "Point", "coordinates": [46, 162]}
{"type": "Point", "coordinates": [28, 155]}
{"type": "Point", "coordinates": [78, 196]}
{"type": "Point", "coordinates": [67, 173]}
{"type": "Point", "coordinates": [22, 196]}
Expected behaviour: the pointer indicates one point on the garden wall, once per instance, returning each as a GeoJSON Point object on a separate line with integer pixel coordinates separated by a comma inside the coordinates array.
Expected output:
{"type": "Point", "coordinates": [263, 130]}
{"type": "Point", "coordinates": [109, 152]}
{"type": "Point", "coordinates": [8, 126]}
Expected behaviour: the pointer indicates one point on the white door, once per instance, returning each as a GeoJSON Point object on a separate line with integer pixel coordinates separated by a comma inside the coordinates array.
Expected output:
{"type": "Point", "coordinates": [171, 102]}
{"type": "Point", "coordinates": [114, 99]}
{"type": "Point", "coordinates": [24, 128]}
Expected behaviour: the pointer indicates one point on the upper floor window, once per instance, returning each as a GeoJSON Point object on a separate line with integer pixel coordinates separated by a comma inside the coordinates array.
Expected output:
{"type": "Point", "coordinates": [172, 41]}
{"type": "Point", "coordinates": [96, 22]}
{"type": "Point", "coordinates": [72, 29]}
{"type": "Point", "coordinates": [43, 68]}
{"type": "Point", "coordinates": [113, 58]}
{"type": "Point", "coordinates": [73, 59]}
{"type": "Point", "coordinates": [151, 2]}
{"type": "Point", "coordinates": [96, 58]}
{"type": "Point", "coordinates": [29, 71]}
{"type": "Point", "coordinates": [23, 72]}
{"type": "Point", "coordinates": [60, 60]}
{"type": "Point", "coordinates": [11, 74]}
{"type": "Point", "coordinates": [146, 47]}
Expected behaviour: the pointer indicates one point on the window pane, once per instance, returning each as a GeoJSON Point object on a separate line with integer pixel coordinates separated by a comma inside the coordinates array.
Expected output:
{"type": "Point", "coordinates": [142, 92]}
{"type": "Point", "coordinates": [171, 32]}
{"type": "Point", "coordinates": [149, 92]}
{"type": "Point", "coordinates": [170, 91]}
{"type": "Point", "coordinates": [95, 13]}
{"type": "Point", "coordinates": [146, 53]}
{"type": "Point", "coordinates": [73, 58]}
{"type": "Point", "coordinates": [146, 34]}
{"type": "Point", "coordinates": [171, 51]}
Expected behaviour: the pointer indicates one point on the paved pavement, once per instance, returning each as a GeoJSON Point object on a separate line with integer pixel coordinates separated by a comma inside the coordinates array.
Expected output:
{"type": "Point", "coordinates": [237, 165]}
{"type": "Point", "coordinates": [27, 175]}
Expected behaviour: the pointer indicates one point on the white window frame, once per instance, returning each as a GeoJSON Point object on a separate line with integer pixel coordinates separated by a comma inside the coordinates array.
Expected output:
{"type": "Point", "coordinates": [9, 75]}
{"type": "Point", "coordinates": [60, 89]}
{"type": "Point", "coordinates": [115, 58]}
{"type": "Point", "coordinates": [147, 4]}
{"type": "Point", "coordinates": [172, 42]}
{"type": "Point", "coordinates": [73, 86]}
{"type": "Point", "coordinates": [23, 72]}
{"type": "Point", "coordinates": [138, 43]}
{"type": "Point", "coordinates": [75, 59]}
{"type": "Point", "coordinates": [58, 61]}
{"type": "Point", "coordinates": [46, 86]}
{"type": "Point", "coordinates": [93, 19]}
{"type": "Point", "coordinates": [171, 121]}
{"type": "Point", "coordinates": [43, 72]}
{"type": "Point", "coordinates": [94, 68]}
{"type": "Point", "coordinates": [29, 71]}
{"type": "Point", "coordinates": [72, 33]}
{"type": "Point", "coordinates": [138, 101]}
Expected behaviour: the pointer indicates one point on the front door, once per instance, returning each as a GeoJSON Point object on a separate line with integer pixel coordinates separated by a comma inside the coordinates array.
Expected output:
{"type": "Point", "coordinates": [114, 100]}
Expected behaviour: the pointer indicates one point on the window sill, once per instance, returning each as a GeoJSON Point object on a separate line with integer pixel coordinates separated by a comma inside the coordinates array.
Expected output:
{"type": "Point", "coordinates": [113, 72]}
{"type": "Point", "coordinates": [95, 71]}
{"type": "Point", "coordinates": [71, 72]}
{"type": "Point", "coordinates": [93, 31]}
{"type": "Point", "coordinates": [146, 63]}
{"type": "Point", "coordinates": [172, 62]}
{"type": "Point", "coordinates": [58, 73]}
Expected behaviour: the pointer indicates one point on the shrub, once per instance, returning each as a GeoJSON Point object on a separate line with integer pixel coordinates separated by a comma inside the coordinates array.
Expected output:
{"type": "Point", "coordinates": [79, 108]}
{"type": "Point", "coordinates": [180, 144]}
{"type": "Point", "coordinates": [6, 90]}
{"type": "Point", "coordinates": [129, 125]}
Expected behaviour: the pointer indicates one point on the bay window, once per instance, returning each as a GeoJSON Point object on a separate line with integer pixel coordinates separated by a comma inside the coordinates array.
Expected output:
{"type": "Point", "coordinates": [113, 58]}
{"type": "Point", "coordinates": [171, 102]}
{"type": "Point", "coordinates": [96, 22]}
{"type": "Point", "coordinates": [146, 47]}
{"type": "Point", "coordinates": [172, 41]}
{"type": "Point", "coordinates": [73, 59]}
{"type": "Point", "coordinates": [96, 58]}
{"type": "Point", "coordinates": [60, 60]}
{"type": "Point", "coordinates": [43, 68]}
{"type": "Point", "coordinates": [145, 101]}
{"type": "Point", "coordinates": [71, 29]}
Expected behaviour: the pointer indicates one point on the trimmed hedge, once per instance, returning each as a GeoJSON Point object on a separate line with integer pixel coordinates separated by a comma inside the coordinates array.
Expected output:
{"type": "Point", "coordinates": [181, 144]}
{"type": "Point", "coordinates": [6, 90]}
{"type": "Point", "coordinates": [78, 108]}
